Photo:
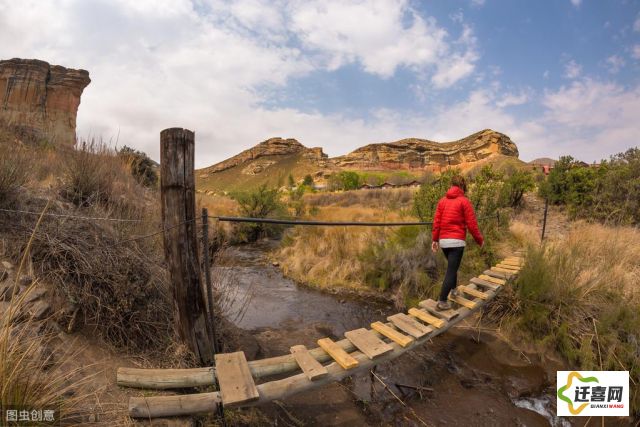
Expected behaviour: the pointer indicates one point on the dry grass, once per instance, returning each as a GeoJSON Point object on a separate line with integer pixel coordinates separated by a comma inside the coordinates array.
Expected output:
{"type": "Point", "coordinates": [100, 277]}
{"type": "Point", "coordinates": [580, 296]}
{"type": "Point", "coordinates": [395, 199]}
{"type": "Point", "coordinates": [327, 257]}
{"type": "Point", "coordinates": [31, 374]}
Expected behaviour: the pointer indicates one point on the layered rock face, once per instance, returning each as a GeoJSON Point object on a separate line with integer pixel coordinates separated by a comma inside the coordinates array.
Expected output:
{"type": "Point", "coordinates": [270, 147]}
{"type": "Point", "coordinates": [423, 154]}
{"type": "Point", "coordinates": [41, 99]}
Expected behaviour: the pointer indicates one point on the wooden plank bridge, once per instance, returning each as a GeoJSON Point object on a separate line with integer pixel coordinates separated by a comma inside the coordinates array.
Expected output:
{"type": "Point", "coordinates": [331, 361]}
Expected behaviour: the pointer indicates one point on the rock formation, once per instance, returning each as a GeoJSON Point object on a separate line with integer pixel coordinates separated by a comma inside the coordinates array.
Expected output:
{"type": "Point", "coordinates": [41, 99]}
{"type": "Point", "coordinates": [413, 153]}
{"type": "Point", "coordinates": [270, 147]}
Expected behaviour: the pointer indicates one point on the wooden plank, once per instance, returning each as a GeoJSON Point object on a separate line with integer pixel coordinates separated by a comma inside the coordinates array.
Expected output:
{"type": "Point", "coordinates": [508, 266]}
{"type": "Point", "coordinates": [426, 317]}
{"type": "Point", "coordinates": [409, 325]}
{"type": "Point", "coordinates": [368, 343]}
{"type": "Point", "coordinates": [513, 268]}
{"type": "Point", "coordinates": [485, 283]}
{"type": "Point", "coordinates": [234, 377]}
{"type": "Point", "coordinates": [395, 336]}
{"type": "Point", "coordinates": [430, 306]}
{"type": "Point", "coordinates": [463, 301]}
{"type": "Point", "coordinates": [473, 292]}
{"type": "Point", "coordinates": [496, 274]}
{"type": "Point", "coordinates": [337, 353]}
{"type": "Point", "coordinates": [309, 365]}
{"type": "Point", "coordinates": [502, 270]}
{"type": "Point", "coordinates": [512, 261]}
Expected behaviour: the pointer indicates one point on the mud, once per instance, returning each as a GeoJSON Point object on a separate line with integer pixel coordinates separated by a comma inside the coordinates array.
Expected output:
{"type": "Point", "coordinates": [465, 376]}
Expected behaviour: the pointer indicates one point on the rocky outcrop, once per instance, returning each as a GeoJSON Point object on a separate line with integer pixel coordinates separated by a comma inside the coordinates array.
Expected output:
{"type": "Point", "coordinates": [40, 98]}
{"type": "Point", "coordinates": [270, 147]}
{"type": "Point", "coordinates": [413, 153]}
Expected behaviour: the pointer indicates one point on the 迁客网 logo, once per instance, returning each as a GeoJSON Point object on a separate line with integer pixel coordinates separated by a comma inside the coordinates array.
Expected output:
{"type": "Point", "coordinates": [589, 393]}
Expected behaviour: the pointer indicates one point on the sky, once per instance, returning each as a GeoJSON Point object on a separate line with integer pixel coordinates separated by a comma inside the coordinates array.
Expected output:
{"type": "Point", "coordinates": [560, 77]}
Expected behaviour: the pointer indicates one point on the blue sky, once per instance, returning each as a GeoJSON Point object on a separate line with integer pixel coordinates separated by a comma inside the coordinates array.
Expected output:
{"type": "Point", "coordinates": [558, 76]}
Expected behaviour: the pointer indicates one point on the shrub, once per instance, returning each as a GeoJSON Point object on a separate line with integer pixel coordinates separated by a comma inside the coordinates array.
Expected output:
{"type": "Point", "coordinates": [142, 167]}
{"type": "Point", "coordinates": [514, 188]}
{"type": "Point", "coordinates": [431, 191]}
{"type": "Point", "coordinates": [345, 180]}
{"type": "Point", "coordinates": [308, 181]}
{"type": "Point", "coordinates": [262, 202]}
{"type": "Point", "coordinates": [579, 296]}
{"type": "Point", "coordinates": [90, 174]}
{"type": "Point", "coordinates": [609, 193]}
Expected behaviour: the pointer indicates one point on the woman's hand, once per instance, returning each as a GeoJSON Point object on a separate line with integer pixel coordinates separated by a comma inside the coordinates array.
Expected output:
{"type": "Point", "coordinates": [434, 246]}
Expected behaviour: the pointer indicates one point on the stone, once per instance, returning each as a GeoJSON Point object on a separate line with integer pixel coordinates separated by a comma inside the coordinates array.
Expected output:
{"type": "Point", "coordinates": [7, 265]}
{"type": "Point", "coordinates": [41, 99]}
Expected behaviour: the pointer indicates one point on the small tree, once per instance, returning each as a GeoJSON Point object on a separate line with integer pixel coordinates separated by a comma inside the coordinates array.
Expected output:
{"type": "Point", "coordinates": [259, 203]}
{"type": "Point", "coordinates": [292, 182]}
{"type": "Point", "coordinates": [515, 186]}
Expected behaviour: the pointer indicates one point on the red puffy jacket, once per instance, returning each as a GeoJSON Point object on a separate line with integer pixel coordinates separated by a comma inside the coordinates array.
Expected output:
{"type": "Point", "coordinates": [454, 215]}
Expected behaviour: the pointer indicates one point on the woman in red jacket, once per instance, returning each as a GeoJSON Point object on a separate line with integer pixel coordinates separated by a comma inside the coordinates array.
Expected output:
{"type": "Point", "coordinates": [454, 215]}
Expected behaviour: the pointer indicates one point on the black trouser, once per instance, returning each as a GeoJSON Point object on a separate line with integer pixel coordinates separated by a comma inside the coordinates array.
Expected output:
{"type": "Point", "coordinates": [454, 257]}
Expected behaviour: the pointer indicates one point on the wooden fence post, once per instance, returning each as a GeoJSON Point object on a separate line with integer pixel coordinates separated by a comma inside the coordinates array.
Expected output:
{"type": "Point", "coordinates": [177, 190]}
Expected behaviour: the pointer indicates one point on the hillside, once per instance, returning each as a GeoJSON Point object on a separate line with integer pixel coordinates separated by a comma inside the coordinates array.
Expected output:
{"type": "Point", "coordinates": [272, 161]}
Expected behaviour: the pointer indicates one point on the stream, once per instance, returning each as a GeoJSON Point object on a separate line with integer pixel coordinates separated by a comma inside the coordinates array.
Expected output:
{"type": "Point", "coordinates": [465, 376]}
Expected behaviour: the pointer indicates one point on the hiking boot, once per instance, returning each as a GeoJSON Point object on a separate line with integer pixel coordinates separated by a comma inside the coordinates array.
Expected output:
{"type": "Point", "coordinates": [443, 305]}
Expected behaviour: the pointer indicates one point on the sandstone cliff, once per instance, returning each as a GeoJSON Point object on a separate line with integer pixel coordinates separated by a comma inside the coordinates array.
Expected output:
{"type": "Point", "coordinates": [270, 147]}
{"type": "Point", "coordinates": [413, 153]}
{"type": "Point", "coordinates": [40, 98]}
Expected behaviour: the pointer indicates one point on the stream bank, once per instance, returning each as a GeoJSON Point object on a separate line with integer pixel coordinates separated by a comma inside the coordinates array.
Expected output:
{"type": "Point", "coordinates": [465, 376]}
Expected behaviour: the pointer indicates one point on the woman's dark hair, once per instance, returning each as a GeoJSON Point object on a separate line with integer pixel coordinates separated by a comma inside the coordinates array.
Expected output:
{"type": "Point", "coordinates": [459, 181]}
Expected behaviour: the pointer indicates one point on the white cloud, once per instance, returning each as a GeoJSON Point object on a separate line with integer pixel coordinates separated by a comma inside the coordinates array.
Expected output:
{"type": "Point", "coordinates": [457, 66]}
{"type": "Point", "coordinates": [636, 24]}
{"type": "Point", "coordinates": [576, 3]}
{"type": "Point", "coordinates": [615, 63]}
{"type": "Point", "coordinates": [510, 99]}
{"type": "Point", "coordinates": [635, 51]}
{"type": "Point", "coordinates": [381, 35]}
{"type": "Point", "coordinates": [478, 2]}
{"type": "Point", "coordinates": [572, 69]}
{"type": "Point", "coordinates": [205, 65]}
{"type": "Point", "coordinates": [593, 117]}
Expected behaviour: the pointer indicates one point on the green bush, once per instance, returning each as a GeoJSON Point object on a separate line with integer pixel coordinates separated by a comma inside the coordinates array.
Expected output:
{"type": "Point", "coordinates": [609, 193]}
{"type": "Point", "coordinates": [142, 167]}
{"type": "Point", "coordinates": [308, 181]}
{"type": "Point", "coordinates": [263, 202]}
{"type": "Point", "coordinates": [430, 192]}
{"type": "Point", "coordinates": [514, 188]}
{"type": "Point", "coordinates": [345, 180]}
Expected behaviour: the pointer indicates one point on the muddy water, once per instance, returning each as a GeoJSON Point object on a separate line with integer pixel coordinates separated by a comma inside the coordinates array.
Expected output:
{"type": "Point", "coordinates": [462, 378]}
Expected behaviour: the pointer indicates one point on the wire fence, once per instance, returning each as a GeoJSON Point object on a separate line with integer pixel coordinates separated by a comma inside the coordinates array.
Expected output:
{"type": "Point", "coordinates": [276, 221]}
